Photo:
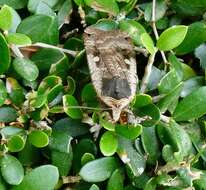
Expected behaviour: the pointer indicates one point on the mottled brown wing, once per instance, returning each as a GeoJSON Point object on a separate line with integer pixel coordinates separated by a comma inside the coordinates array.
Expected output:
{"type": "Point", "coordinates": [112, 63]}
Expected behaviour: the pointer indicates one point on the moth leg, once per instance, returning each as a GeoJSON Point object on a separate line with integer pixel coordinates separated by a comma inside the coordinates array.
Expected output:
{"type": "Point", "coordinates": [82, 16]}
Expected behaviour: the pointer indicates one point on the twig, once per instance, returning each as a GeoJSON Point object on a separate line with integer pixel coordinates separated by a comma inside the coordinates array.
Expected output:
{"type": "Point", "coordinates": [148, 70]}
{"type": "Point", "coordinates": [43, 45]}
{"type": "Point", "coordinates": [16, 51]}
{"type": "Point", "coordinates": [155, 29]}
{"type": "Point", "coordinates": [89, 108]}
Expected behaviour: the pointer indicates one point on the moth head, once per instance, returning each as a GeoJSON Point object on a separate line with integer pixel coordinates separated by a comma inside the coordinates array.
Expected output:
{"type": "Point", "coordinates": [116, 105]}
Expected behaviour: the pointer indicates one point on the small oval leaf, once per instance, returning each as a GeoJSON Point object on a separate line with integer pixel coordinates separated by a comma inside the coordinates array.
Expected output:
{"type": "Point", "coordinates": [98, 170]}
{"type": "Point", "coordinates": [172, 37]}
{"type": "Point", "coordinates": [11, 170]}
{"type": "Point", "coordinates": [26, 68]}
{"type": "Point", "coordinates": [108, 143]}
{"type": "Point", "coordinates": [39, 138]}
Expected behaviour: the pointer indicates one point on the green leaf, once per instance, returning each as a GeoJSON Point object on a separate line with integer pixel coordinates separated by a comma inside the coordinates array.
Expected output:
{"type": "Point", "coordinates": [172, 37]}
{"type": "Point", "coordinates": [108, 143]}
{"type": "Point", "coordinates": [17, 4]}
{"type": "Point", "coordinates": [199, 53]}
{"type": "Point", "coordinates": [148, 43]}
{"type": "Point", "coordinates": [38, 179]}
{"type": "Point", "coordinates": [94, 187]}
{"type": "Point", "coordinates": [26, 68]}
{"type": "Point", "coordinates": [141, 100]}
{"type": "Point", "coordinates": [191, 85]}
{"type": "Point", "coordinates": [38, 138]}
{"type": "Point", "coordinates": [15, 91]}
{"type": "Point", "coordinates": [33, 4]}
{"type": "Point", "coordinates": [18, 39]}
{"type": "Point", "coordinates": [8, 114]}
{"type": "Point", "coordinates": [11, 170]}
{"type": "Point", "coordinates": [49, 88]}
{"type": "Point", "coordinates": [60, 141]}
{"type": "Point", "coordinates": [65, 12]}
{"type": "Point", "coordinates": [116, 181]}
{"type": "Point", "coordinates": [71, 127]}
{"type": "Point", "coordinates": [5, 17]}
{"type": "Point", "coordinates": [87, 157]}
{"type": "Point", "coordinates": [3, 93]}
{"type": "Point", "coordinates": [134, 29]}
{"type": "Point", "coordinates": [4, 56]}
{"type": "Point", "coordinates": [168, 82]}
{"type": "Point", "coordinates": [194, 101]}
{"type": "Point", "coordinates": [63, 161]}
{"type": "Point", "coordinates": [16, 143]}
{"type": "Point", "coordinates": [134, 160]}
{"type": "Point", "coordinates": [69, 103]}
{"type": "Point", "coordinates": [44, 9]}
{"type": "Point", "coordinates": [160, 10]}
{"type": "Point", "coordinates": [152, 149]}
{"type": "Point", "coordinates": [84, 146]}
{"type": "Point", "coordinates": [109, 6]}
{"type": "Point", "coordinates": [99, 170]}
{"type": "Point", "coordinates": [128, 131]}
{"type": "Point", "coordinates": [195, 36]}
{"type": "Point", "coordinates": [40, 28]}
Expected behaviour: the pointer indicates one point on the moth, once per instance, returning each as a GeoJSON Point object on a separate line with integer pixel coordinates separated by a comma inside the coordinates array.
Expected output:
{"type": "Point", "coordinates": [112, 65]}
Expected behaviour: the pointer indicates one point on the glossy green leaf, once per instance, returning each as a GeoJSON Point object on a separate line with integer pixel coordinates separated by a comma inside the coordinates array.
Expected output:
{"type": "Point", "coordinates": [116, 181]}
{"type": "Point", "coordinates": [89, 95]}
{"type": "Point", "coordinates": [194, 101]}
{"type": "Point", "coordinates": [8, 114]}
{"type": "Point", "coordinates": [65, 12]}
{"type": "Point", "coordinates": [15, 91]}
{"type": "Point", "coordinates": [160, 10]}
{"type": "Point", "coordinates": [199, 53]}
{"type": "Point", "coordinates": [63, 161]}
{"type": "Point", "coordinates": [18, 39]}
{"type": "Point", "coordinates": [148, 43]}
{"type": "Point", "coordinates": [60, 141]}
{"type": "Point", "coordinates": [11, 170]}
{"type": "Point", "coordinates": [109, 6]}
{"type": "Point", "coordinates": [49, 88]}
{"type": "Point", "coordinates": [17, 4]}
{"type": "Point", "coordinates": [26, 68]}
{"type": "Point", "coordinates": [38, 179]}
{"type": "Point", "coordinates": [40, 28]}
{"type": "Point", "coordinates": [171, 97]}
{"type": "Point", "coordinates": [87, 157]}
{"type": "Point", "coordinates": [94, 187]}
{"type": "Point", "coordinates": [191, 85]}
{"type": "Point", "coordinates": [70, 107]}
{"type": "Point", "coordinates": [4, 56]}
{"type": "Point", "coordinates": [131, 157]}
{"type": "Point", "coordinates": [84, 146]}
{"type": "Point", "coordinates": [3, 93]}
{"type": "Point", "coordinates": [172, 37]}
{"type": "Point", "coordinates": [16, 143]}
{"type": "Point", "coordinates": [33, 4]}
{"type": "Point", "coordinates": [38, 138]}
{"type": "Point", "coordinates": [99, 170]}
{"type": "Point", "coordinates": [150, 115]}
{"type": "Point", "coordinates": [195, 36]}
{"type": "Point", "coordinates": [134, 29]}
{"type": "Point", "coordinates": [141, 100]}
{"type": "Point", "coordinates": [151, 144]}
{"type": "Point", "coordinates": [108, 143]}
{"type": "Point", "coordinates": [128, 131]}
{"type": "Point", "coordinates": [5, 17]}
{"type": "Point", "coordinates": [107, 124]}
{"type": "Point", "coordinates": [71, 127]}
{"type": "Point", "coordinates": [44, 9]}
{"type": "Point", "coordinates": [168, 82]}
